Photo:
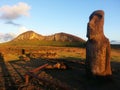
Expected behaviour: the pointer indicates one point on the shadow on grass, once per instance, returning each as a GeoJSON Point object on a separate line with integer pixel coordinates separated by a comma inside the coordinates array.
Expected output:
{"type": "Point", "coordinates": [106, 83]}
{"type": "Point", "coordinates": [116, 70]}
{"type": "Point", "coordinates": [72, 76]}
{"type": "Point", "coordinates": [9, 84]}
{"type": "Point", "coordinates": [75, 75]}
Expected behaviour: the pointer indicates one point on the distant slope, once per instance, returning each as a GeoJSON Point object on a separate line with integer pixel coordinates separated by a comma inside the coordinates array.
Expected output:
{"type": "Point", "coordinates": [63, 37]}
{"type": "Point", "coordinates": [29, 35]}
{"type": "Point", "coordinates": [115, 42]}
{"type": "Point", "coordinates": [30, 38]}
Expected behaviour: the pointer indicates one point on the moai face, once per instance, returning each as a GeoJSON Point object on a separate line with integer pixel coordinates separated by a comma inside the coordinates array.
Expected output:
{"type": "Point", "coordinates": [95, 25]}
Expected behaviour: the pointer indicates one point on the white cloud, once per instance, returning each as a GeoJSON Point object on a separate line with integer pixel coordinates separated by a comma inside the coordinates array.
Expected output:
{"type": "Point", "coordinates": [15, 11]}
{"type": "Point", "coordinates": [4, 37]}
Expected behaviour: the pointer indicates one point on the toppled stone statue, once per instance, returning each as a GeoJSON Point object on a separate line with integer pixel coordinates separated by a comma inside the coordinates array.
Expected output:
{"type": "Point", "coordinates": [97, 47]}
{"type": "Point", "coordinates": [58, 65]}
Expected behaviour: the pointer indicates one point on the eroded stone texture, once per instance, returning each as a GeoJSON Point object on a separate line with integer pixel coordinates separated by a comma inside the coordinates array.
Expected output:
{"type": "Point", "coordinates": [97, 47]}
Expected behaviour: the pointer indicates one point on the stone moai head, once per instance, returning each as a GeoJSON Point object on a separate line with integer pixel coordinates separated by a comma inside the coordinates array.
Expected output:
{"type": "Point", "coordinates": [95, 25]}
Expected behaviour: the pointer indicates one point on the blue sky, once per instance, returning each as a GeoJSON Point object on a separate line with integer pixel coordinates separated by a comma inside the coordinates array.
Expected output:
{"type": "Point", "coordinates": [47, 17]}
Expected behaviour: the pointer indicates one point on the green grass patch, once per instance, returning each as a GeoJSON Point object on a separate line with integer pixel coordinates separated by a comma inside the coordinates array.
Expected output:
{"type": "Point", "coordinates": [44, 43]}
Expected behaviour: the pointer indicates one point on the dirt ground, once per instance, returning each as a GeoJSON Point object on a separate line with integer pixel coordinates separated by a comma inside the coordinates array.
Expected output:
{"type": "Point", "coordinates": [12, 75]}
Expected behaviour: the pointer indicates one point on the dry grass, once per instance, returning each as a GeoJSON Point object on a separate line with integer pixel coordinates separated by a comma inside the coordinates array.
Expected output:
{"type": "Point", "coordinates": [54, 52]}
{"type": "Point", "coordinates": [45, 52]}
{"type": "Point", "coordinates": [115, 55]}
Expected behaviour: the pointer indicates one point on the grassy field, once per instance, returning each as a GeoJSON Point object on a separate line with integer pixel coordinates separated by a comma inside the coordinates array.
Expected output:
{"type": "Point", "coordinates": [13, 69]}
{"type": "Point", "coordinates": [36, 43]}
{"type": "Point", "coordinates": [13, 52]}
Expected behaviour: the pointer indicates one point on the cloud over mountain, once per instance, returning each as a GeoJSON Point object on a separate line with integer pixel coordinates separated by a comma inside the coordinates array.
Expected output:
{"type": "Point", "coordinates": [22, 29]}
{"type": "Point", "coordinates": [6, 37]}
{"type": "Point", "coordinates": [12, 23]}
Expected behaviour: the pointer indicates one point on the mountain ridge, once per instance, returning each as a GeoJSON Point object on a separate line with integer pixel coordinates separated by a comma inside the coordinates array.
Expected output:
{"type": "Point", "coordinates": [62, 37]}
{"type": "Point", "coordinates": [33, 39]}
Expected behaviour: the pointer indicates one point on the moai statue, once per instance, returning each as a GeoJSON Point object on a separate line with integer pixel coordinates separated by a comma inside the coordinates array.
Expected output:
{"type": "Point", "coordinates": [97, 47]}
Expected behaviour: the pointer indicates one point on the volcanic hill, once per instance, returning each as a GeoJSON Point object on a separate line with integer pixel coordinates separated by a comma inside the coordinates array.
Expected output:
{"type": "Point", "coordinates": [58, 39]}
